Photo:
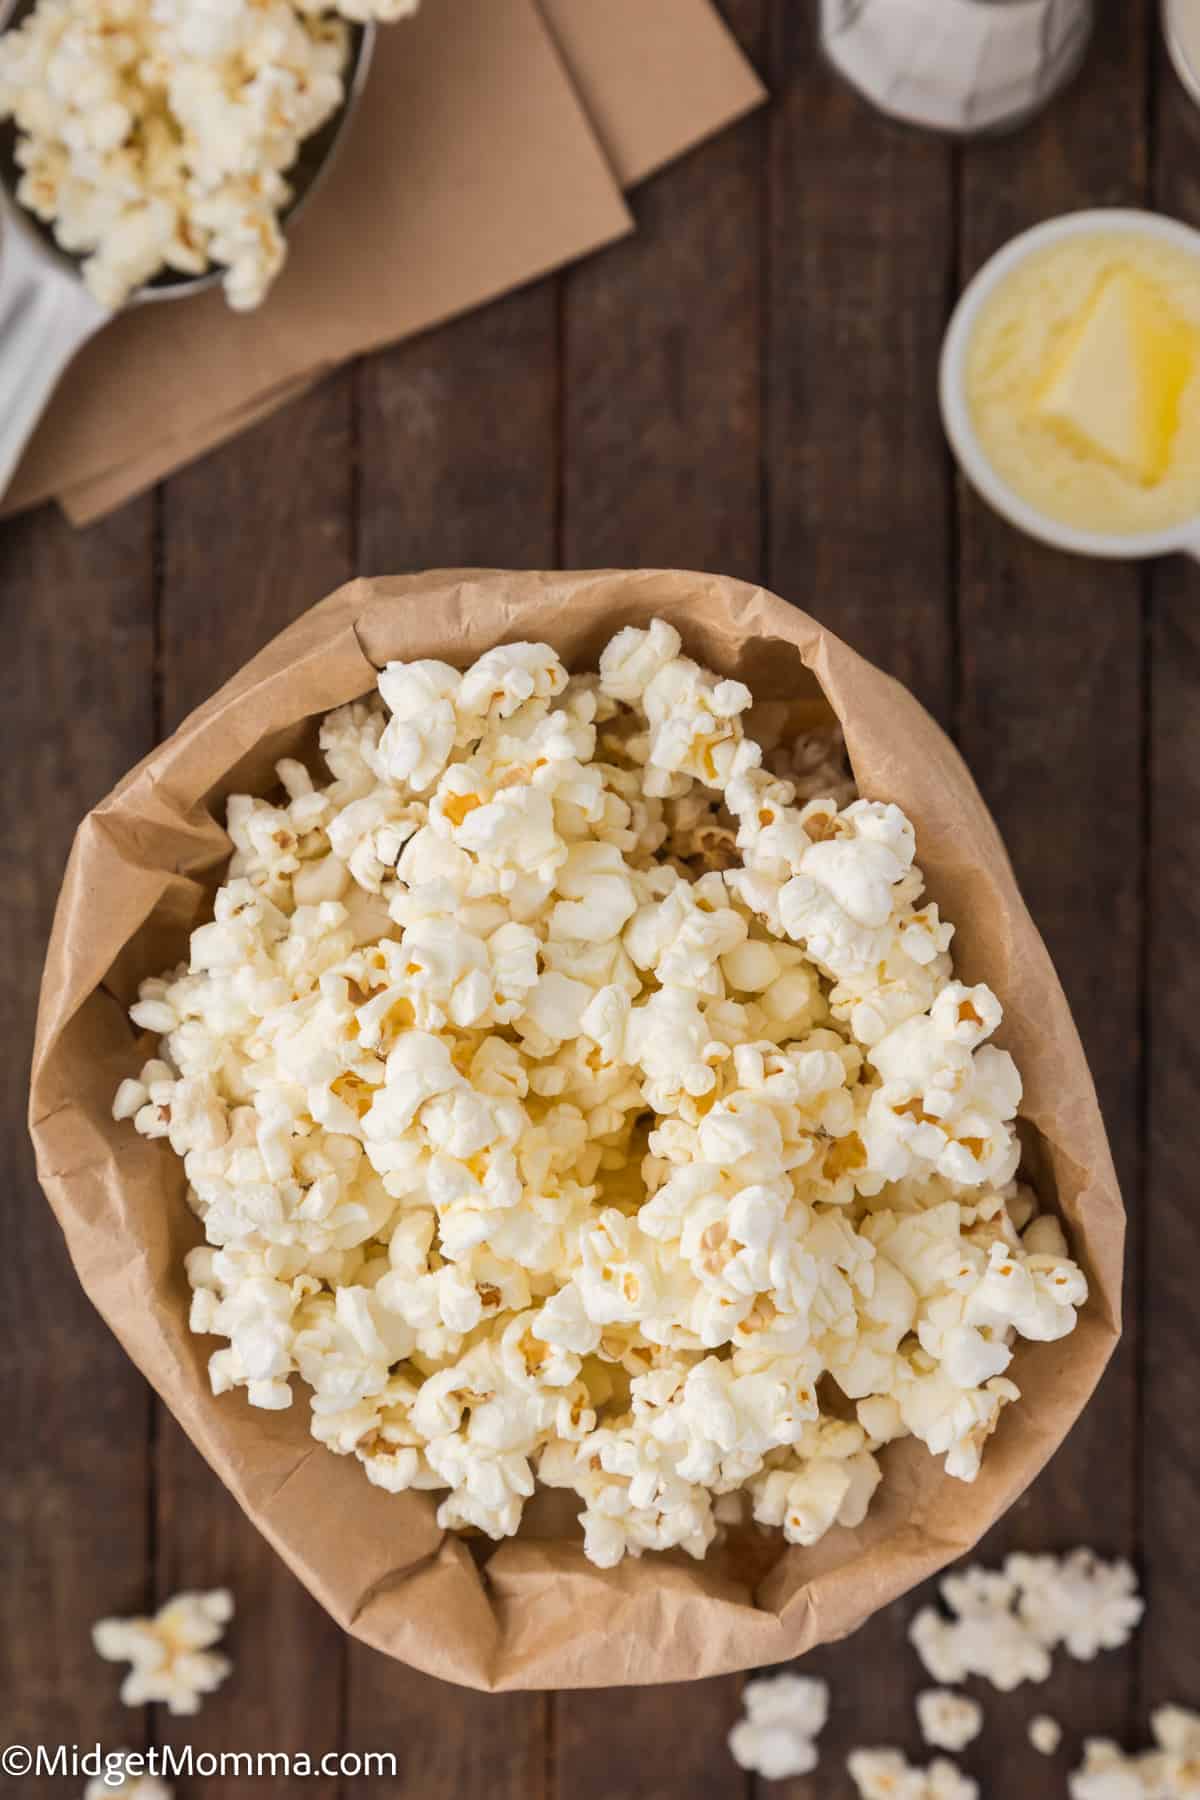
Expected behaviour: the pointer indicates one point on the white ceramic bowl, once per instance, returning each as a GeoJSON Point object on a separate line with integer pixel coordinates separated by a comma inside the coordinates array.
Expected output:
{"type": "Point", "coordinates": [976, 465]}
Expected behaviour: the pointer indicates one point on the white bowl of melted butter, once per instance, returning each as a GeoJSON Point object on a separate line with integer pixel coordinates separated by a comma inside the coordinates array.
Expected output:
{"type": "Point", "coordinates": [1070, 383]}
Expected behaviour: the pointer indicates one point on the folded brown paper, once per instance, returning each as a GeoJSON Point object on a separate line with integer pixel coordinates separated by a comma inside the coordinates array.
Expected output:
{"type": "Point", "coordinates": [656, 76]}
{"type": "Point", "coordinates": [471, 168]}
{"type": "Point", "coordinates": [539, 1614]}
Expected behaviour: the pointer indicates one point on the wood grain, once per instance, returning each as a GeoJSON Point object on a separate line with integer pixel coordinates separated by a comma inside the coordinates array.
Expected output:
{"type": "Point", "coordinates": [459, 443]}
{"type": "Point", "coordinates": [448, 1742]}
{"type": "Point", "coordinates": [1051, 721]}
{"type": "Point", "coordinates": [861, 234]}
{"type": "Point", "coordinates": [1169, 1660]}
{"type": "Point", "coordinates": [252, 535]}
{"type": "Point", "coordinates": [78, 624]}
{"type": "Point", "coordinates": [662, 370]}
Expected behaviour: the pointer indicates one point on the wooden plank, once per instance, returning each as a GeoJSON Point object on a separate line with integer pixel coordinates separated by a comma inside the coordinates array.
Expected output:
{"type": "Point", "coordinates": [76, 713]}
{"type": "Point", "coordinates": [251, 536]}
{"type": "Point", "coordinates": [859, 523]}
{"type": "Point", "coordinates": [1170, 1490]}
{"type": "Point", "coordinates": [861, 256]}
{"type": "Point", "coordinates": [459, 443]}
{"type": "Point", "coordinates": [458, 466]}
{"type": "Point", "coordinates": [1169, 1662]}
{"type": "Point", "coordinates": [662, 366]}
{"type": "Point", "coordinates": [1052, 716]}
{"type": "Point", "coordinates": [450, 1743]}
{"type": "Point", "coordinates": [661, 467]}
{"type": "Point", "coordinates": [657, 1743]}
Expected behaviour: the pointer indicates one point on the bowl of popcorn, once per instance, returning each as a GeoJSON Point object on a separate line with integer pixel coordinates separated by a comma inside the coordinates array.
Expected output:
{"type": "Point", "coordinates": [564, 1100]}
{"type": "Point", "coordinates": [150, 148]}
{"type": "Point", "coordinates": [157, 140]}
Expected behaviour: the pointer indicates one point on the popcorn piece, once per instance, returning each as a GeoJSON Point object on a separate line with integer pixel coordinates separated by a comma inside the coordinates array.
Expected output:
{"type": "Point", "coordinates": [948, 1721]}
{"type": "Point", "coordinates": [1006, 1623]}
{"type": "Point", "coordinates": [983, 1638]}
{"type": "Point", "coordinates": [785, 1714]}
{"type": "Point", "coordinates": [171, 1655]}
{"type": "Point", "coordinates": [806, 1501]}
{"type": "Point", "coordinates": [634, 658]}
{"type": "Point", "coordinates": [888, 1775]}
{"type": "Point", "coordinates": [1177, 1730]}
{"type": "Point", "coordinates": [1107, 1774]}
{"type": "Point", "coordinates": [1171, 1771]}
{"type": "Point", "coordinates": [153, 134]}
{"type": "Point", "coordinates": [1045, 1734]}
{"type": "Point", "coordinates": [1078, 1601]}
{"type": "Point", "coordinates": [119, 1778]}
{"type": "Point", "coordinates": [942, 1108]}
{"type": "Point", "coordinates": [421, 731]}
{"type": "Point", "coordinates": [564, 1095]}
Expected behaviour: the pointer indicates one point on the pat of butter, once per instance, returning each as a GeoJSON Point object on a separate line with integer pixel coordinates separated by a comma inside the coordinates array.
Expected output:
{"type": "Point", "coordinates": [1113, 389]}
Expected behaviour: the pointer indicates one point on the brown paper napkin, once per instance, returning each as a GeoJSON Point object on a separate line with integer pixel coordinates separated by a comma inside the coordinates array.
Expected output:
{"type": "Point", "coordinates": [656, 76]}
{"type": "Point", "coordinates": [490, 147]}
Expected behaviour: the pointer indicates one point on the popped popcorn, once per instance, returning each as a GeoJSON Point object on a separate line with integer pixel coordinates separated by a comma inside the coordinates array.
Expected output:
{"type": "Point", "coordinates": [948, 1720]}
{"type": "Point", "coordinates": [1171, 1771]}
{"type": "Point", "coordinates": [888, 1775]}
{"type": "Point", "coordinates": [1005, 1623]}
{"type": "Point", "coordinates": [1045, 1734]}
{"type": "Point", "coordinates": [118, 1779]}
{"type": "Point", "coordinates": [570, 1093]}
{"type": "Point", "coordinates": [156, 134]}
{"type": "Point", "coordinates": [1078, 1600]}
{"type": "Point", "coordinates": [785, 1714]}
{"type": "Point", "coordinates": [171, 1655]}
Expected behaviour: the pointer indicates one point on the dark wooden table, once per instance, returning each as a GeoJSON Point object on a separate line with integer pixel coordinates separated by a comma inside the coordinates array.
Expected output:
{"type": "Point", "coordinates": [747, 385]}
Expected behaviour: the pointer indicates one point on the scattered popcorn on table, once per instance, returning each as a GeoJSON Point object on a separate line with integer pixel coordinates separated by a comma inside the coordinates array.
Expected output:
{"type": "Point", "coordinates": [171, 1655]}
{"type": "Point", "coordinates": [155, 134]}
{"type": "Point", "coordinates": [567, 1097]}
{"type": "Point", "coordinates": [1171, 1771]}
{"type": "Point", "coordinates": [888, 1775]}
{"type": "Point", "coordinates": [1078, 1601]}
{"type": "Point", "coordinates": [127, 1786]}
{"type": "Point", "coordinates": [1045, 1734]}
{"type": "Point", "coordinates": [784, 1716]}
{"type": "Point", "coordinates": [948, 1720]}
{"type": "Point", "coordinates": [1005, 1623]}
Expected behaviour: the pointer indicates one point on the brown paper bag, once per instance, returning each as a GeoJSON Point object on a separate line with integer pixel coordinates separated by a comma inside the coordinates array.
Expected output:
{"type": "Point", "coordinates": [536, 1614]}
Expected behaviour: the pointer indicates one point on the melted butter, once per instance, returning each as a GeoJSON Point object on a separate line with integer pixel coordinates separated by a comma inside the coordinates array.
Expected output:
{"type": "Point", "coordinates": [1113, 389]}
{"type": "Point", "coordinates": [1083, 382]}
